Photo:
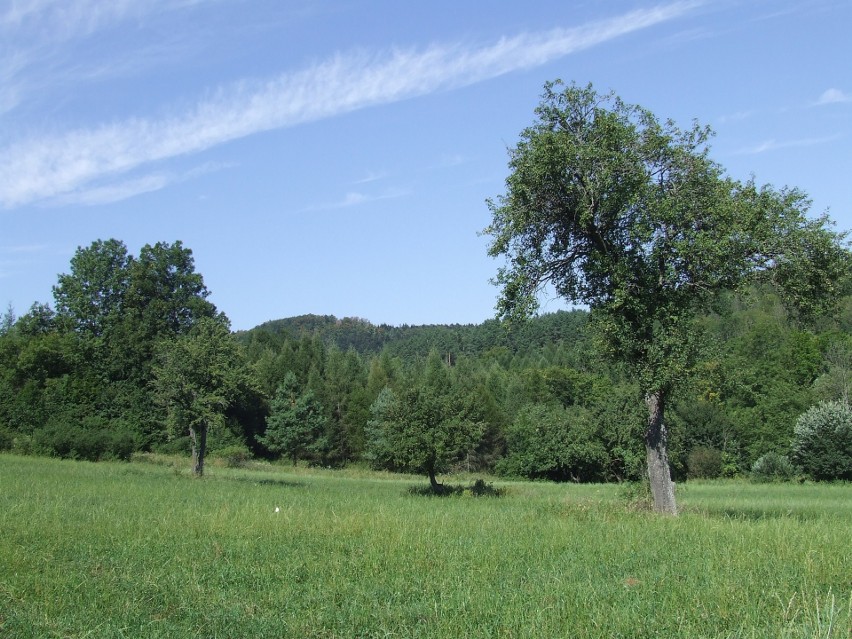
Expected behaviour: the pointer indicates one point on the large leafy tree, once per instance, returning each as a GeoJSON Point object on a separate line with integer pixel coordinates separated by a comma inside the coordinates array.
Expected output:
{"type": "Point", "coordinates": [628, 215]}
{"type": "Point", "coordinates": [198, 376]}
{"type": "Point", "coordinates": [166, 294]}
{"type": "Point", "coordinates": [92, 295]}
{"type": "Point", "coordinates": [119, 308]}
{"type": "Point", "coordinates": [111, 295]}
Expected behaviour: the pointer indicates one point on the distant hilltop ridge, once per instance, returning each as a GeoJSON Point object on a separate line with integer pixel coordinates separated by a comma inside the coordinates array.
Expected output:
{"type": "Point", "coordinates": [367, 338]}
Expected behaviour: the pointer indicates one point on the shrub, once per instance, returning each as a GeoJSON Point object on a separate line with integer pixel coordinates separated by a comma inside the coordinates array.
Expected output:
{"type": "Point", "coordinates": [174, 446]}
{"type": "Point", "coordinates": [480, 488]}
{"type": "Point", "coordinates": [773, 467]}
{"type": "Point", "coordinates": [822, 443]}
{"type": "Point", "coordinates": [234, 456]}
{"type": "Point", "coordinates": [93, 443]}
{"type": "Point", "coordinates": [705, 462]}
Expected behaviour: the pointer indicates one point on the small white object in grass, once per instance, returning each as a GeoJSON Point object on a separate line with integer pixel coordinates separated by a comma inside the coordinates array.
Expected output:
{"type": "Point", "coordinates": [277, 509]}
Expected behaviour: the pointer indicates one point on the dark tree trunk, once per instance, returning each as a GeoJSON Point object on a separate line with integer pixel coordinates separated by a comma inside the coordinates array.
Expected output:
{"type": "Point", "coordinates": [433, 481]}
{"type": "Point", "coordinates": [656, 436]}
{"type": "Point", "coordinates": [199, 449]}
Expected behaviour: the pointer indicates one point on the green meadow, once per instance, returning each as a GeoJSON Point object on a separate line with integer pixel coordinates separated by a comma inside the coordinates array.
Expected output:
{"type": "Point", "coordinates": [144, 550]}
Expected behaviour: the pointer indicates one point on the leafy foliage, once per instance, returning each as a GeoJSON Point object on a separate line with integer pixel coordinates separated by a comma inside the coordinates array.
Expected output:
{"type": "Point", "coordinates": [197, 377]}
{"type": "Point", "coordinates": [822, 443]}
{"type": "Point", "coordinates": [772, 467]}
{"type": "Point", "coordinates": [705, 463]}
{"type": "Point", "coordinates": [550, 442]}
{"type": "Point", "coordinates": [538, 397]}
{"type": "Point", "coordinates": [615, 209]}
{"type": "Point", "coordinates": [424, 427]}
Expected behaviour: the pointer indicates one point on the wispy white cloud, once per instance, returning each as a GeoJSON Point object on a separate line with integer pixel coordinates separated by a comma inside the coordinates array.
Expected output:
{"type": "Point", "coordinates": [739, 116]}
{"type": "Point", "coordinates": [63, 20]}
{"type": "Point", "coordinates": [774, 145]}
{"type": "Point", "coordinates": [357, 198]}
{"type": "Point", "coordinates": [34, 34]}
{"type": "Point", "coordinates": [125, 189]}
{"type": "Point", "coordinates": [372, 176]}
{"type": "Point", "coordinates": [40, 168]}
{"type": "Point", "coordinates": [833, 96]}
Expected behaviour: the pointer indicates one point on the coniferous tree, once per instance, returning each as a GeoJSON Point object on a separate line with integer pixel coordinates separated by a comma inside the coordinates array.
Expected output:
{"type": "Point", "coordinates": [296, 422]}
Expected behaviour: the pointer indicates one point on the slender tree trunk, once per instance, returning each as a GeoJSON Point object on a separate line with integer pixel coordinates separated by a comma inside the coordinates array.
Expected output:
{"type": "Point", "coordinates": [193, 440]}
{"type": "Point", "coordinates": [656, 436]}
{"type": "Point", "coordinates": [199, 449]}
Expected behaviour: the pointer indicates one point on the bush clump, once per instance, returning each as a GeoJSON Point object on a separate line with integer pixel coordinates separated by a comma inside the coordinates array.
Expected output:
{"type": "Point", "coordinates": [90, 441]}
{"type": "Point", "coordinates": [822, 442]}
{"type": "Point", "coordinates": [773, 467]}
{"type": "Point", "coordinates": [235, 456]}
{"type": "Point", "coordinates": [705, 462]}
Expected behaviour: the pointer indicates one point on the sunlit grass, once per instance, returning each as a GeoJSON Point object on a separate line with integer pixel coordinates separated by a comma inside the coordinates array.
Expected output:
{"type": "Point", "coordinates": [144, 550]}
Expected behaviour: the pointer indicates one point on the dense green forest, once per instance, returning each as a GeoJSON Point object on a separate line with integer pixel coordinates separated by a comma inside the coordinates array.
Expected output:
{"type": "Point", "coordinates": [131, 353]}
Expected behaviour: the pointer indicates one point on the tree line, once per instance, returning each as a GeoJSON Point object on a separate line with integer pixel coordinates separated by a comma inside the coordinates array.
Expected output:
{"type": "Point", "coordinates": [133, 357]}
{"type": "Point", "coordinates": [717, 321]}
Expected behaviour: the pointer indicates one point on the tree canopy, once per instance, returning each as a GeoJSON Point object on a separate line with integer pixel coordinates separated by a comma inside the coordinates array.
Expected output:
{"type": "Point", "coordinates": [197, 376]}
{"type": "Point", "coordinates": [629, 215]}
{"type": "Point", "coordinates": [426, 426]}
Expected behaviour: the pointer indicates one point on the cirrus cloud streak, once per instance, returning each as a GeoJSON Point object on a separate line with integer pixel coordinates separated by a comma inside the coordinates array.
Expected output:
{"type": "Point", "coordinates": [65, 166]}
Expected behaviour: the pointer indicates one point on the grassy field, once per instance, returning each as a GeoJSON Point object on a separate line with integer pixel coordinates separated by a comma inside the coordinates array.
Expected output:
{"type": "Point", "coordinates": [143, 550]}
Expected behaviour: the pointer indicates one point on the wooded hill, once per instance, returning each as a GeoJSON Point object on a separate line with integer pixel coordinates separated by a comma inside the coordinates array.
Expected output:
{"type": "Point", "coordinates": [417, 341]}
{"type": "Point", "coordinates": [559, 411]}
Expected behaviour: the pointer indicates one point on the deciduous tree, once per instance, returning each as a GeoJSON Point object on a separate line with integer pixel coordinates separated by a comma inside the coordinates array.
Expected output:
{"type": "Point", "coordinates": [425, 426]}
{"type": "Point", "coordinates": [197, 377]}
{"type": "Point", "coordinates": [617, 210]}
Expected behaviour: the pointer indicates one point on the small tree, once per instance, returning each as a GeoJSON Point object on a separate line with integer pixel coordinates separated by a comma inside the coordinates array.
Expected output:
{"type": "Point", "coordinates": [295, 423]}
{"type": "Point", "coordinates": [836, 382]}
{"type": "Point", "coordinates": [626, 214]}
{"type": "Point", "coordinates": [822, 442]}
{"type": "Point", "coordinates": [197, 376]}
{"type": "Point", "coordinates": [425, 427]}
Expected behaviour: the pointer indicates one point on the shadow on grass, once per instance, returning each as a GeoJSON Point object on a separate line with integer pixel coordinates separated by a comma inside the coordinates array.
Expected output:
{"type": "Point", "coordinates": [479, 488]}
{"type": "Point", "coordinates": [283, 483]}
{"type": "Point", "coordinates": [751, 514]}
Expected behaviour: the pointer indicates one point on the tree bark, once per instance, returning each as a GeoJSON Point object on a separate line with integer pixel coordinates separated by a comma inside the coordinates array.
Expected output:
{"type": "Point", "coordinates": [656, 439]}
{"type": "Point", "coordinates": [199, 450]}
{"type": "Point", "coordinates": [193, 439]}
{"type": "Point", "coordinates": [433, 481]}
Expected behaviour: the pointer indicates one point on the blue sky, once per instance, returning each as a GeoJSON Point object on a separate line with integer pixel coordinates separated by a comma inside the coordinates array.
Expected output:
{"type": "Point", "coordinates": [335, 157]}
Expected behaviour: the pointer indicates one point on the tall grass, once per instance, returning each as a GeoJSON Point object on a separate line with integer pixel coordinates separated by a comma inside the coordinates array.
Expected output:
{"type": "Point", "coordinates": [142, 550]}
